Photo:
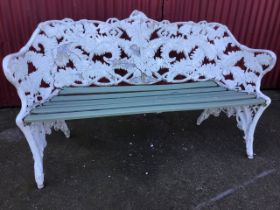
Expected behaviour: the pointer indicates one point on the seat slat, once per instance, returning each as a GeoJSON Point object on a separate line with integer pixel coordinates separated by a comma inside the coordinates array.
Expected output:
{"type": "Point", "coordinates": [139, 110]}
{"type": "Point", "coordinates": [136, 94]}
{"type": "Point", "coordinates": [135, 88]}
{"type": "Point", "coordinates": [143, 102]}
{"type": "Point", "coordinates": [135, 99]}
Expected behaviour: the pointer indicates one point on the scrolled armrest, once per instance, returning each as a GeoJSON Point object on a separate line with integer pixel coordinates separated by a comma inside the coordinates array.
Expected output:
{"type": "Point", "coordinates": [244, 69]}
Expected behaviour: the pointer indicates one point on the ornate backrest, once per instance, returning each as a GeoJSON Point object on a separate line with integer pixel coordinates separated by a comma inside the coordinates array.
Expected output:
{"type": "Point", "coordinates": [136, 50]}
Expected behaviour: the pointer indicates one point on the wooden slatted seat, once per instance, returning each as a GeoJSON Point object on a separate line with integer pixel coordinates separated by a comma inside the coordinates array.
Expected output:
{"type": "Point", "coordinates": [88, 102]}
{"type": "Point", "coordinates": [75, 70]}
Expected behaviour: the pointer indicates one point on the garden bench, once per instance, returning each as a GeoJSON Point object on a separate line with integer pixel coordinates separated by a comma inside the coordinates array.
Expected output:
{"type": "Point", "coordinates": [87, 69]}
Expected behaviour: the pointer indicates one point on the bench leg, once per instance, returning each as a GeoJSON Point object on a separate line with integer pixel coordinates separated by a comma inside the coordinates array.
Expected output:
{"type": "Point", "coordinates": [247, 118]}
{"type": "Point", "coordinates": [35, 134]}
{"type": "Point", "coordinates": [36, 138]}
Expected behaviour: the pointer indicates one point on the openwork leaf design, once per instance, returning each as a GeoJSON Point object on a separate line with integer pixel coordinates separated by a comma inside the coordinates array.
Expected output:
{"type": "Point", "coordinates": [136, 50]}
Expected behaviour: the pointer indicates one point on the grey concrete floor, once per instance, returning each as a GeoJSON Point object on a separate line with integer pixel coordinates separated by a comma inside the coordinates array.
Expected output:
{"type": "Point", "coordinates": [154, 161]}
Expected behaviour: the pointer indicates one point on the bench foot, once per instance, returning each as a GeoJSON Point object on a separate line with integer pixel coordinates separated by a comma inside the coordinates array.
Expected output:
{"type": "Point", "coordinates": [40, 186]}
{"type": "Point", "coordinates": [39, 178]}
{"type": "Point", "coordinates": [250, 157]}
{"type": "Point", "coordinates": [249, 145]}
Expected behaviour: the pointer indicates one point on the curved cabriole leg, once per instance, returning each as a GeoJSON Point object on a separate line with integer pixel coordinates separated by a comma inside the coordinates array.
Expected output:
{"type": "Point", "coordinates": [36, 138]}
{"type": "Point", "coordinates": [35, 134]}
{"type": "Point", "coordinates": [247, 118]}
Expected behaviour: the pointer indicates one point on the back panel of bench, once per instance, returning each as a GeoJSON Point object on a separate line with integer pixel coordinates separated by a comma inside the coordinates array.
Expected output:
{"type": "Point", "coordinates": [137, 50]}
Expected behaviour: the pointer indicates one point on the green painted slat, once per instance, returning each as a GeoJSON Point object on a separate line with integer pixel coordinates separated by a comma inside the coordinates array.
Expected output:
{"type": "Point", "coordinates": [135, 88]}
{"type": "Point", "coordinates": [134, 94]}
{"type": "Point", "coordinates": [167, 101]}
{"type": "Point", "coordinates": [135, 99]}
{"type": "Point", "coordinates": [139, 110]}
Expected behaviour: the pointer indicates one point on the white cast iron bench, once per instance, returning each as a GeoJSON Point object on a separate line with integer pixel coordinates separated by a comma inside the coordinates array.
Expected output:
{"type": "Point", "coordinates": [86, 69]}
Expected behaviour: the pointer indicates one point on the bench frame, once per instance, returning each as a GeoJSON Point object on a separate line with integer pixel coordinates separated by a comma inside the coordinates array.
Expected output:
{"type": "Point", "coordinates": [58, 54]}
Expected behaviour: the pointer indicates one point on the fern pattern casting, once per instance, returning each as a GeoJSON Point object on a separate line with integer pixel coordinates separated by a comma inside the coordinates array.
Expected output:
{"type": "Point", "coordinates": [136, 50]}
